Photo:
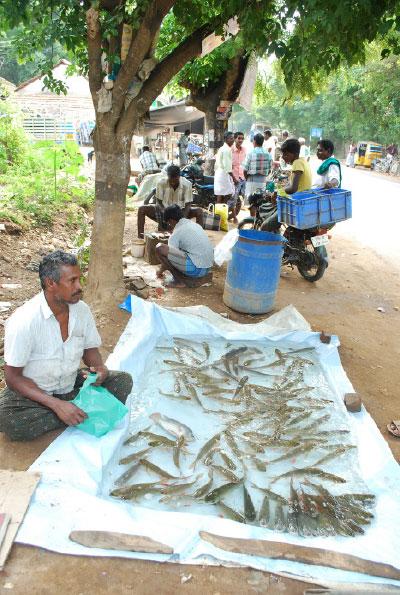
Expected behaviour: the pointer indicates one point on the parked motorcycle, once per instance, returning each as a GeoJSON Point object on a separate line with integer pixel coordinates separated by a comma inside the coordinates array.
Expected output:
{"type": "Point", "coordinates": [304, 248]}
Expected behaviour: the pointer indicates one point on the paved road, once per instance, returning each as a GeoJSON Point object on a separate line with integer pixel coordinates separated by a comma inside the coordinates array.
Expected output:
{"type": "Point", "coordinates": [376, 212]}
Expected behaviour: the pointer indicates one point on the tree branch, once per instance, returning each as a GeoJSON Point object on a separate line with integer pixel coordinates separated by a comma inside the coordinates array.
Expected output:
{"type": "Point", "coordinates": [164, 71]}
{"type": "Point", "coordinates": [140, 46]}
{"type": "Point", "coordinates": [94, 52]}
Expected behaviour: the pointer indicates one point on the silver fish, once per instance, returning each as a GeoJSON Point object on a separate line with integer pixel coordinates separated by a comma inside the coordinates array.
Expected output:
{"type": "Point", "coordinates": [172, 426]}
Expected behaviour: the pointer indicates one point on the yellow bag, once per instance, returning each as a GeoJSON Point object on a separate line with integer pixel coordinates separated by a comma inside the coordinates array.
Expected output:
{"type": "Point", "coordinates": [221, 209]}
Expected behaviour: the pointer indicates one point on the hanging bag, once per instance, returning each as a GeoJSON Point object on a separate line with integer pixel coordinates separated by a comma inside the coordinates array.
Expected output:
{"type": "Point", "coordinates": [211, 221]}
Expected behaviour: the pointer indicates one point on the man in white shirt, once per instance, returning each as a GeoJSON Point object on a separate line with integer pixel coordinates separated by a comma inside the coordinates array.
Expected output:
{"type": "Point", "coordinates": [329, 173]}
{"type": "Point", "coordinates": [269, 143]}
{"type": "Point", "coordinates": [45, 341]}
{"type": "Point", "coordinates": [175, 189]}
{"type": "Point", "coordinates": [224, 187]}
{"type": "Point", "coordinates": [189, 254]}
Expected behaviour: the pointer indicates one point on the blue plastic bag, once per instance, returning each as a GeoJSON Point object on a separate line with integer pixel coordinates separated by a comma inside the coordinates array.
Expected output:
{"type": "Point", "coordinates": [104, 411]}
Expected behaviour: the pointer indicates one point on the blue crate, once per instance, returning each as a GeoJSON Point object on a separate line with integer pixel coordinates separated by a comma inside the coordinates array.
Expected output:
{"type": "Point", "coordinates": [314, 208]}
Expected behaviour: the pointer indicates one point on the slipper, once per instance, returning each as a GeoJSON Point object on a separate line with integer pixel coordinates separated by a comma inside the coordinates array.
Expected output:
{"type": "Point", "coordinates": [394, 428]}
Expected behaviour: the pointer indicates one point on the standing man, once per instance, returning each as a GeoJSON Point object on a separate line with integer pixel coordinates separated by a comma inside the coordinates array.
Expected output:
{"type": "Point", "coordinates": [45, 341]}
{"type": "Point", "coordinates": [329, 173]}
{"type": "Point", "coordinates": [224, 187]}
{"type": "Point", "coordinates": [304, 149]}
{"type": "Point", "coordinates": [189, 254]}
{"type": "Point", "coordinates": [238, 158]}
{"type": "Point", "coordinates": [148, 162]}
{"type": "Point", "coordinates": [183, 146]}
{"type": "Point", "coordinates": [269, 143]}
{"type": "Point", "coordinates": [171, 190]}
{"type": "Point", "coordinates": [257, 166]}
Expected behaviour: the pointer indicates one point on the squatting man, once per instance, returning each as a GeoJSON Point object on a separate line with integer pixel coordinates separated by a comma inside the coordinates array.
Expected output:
{"type": "Point", "coordinates": [45, 340]}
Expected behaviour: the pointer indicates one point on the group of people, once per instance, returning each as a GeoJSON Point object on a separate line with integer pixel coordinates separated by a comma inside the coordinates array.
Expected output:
{"type": "Point", "coordinates": [240, 172]}
{"type": "Point", "coordinates": [189, 253]}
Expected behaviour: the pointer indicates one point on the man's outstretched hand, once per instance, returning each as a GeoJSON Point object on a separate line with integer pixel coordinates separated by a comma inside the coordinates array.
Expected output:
{"type": "Point", "coordinates": [69, 413]}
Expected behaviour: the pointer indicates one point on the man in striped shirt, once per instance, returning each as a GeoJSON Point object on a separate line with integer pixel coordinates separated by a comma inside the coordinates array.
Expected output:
{"type": "Point", "coordinates": [257, 166]}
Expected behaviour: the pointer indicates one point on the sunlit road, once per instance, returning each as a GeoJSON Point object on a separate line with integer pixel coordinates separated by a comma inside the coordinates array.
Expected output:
{"type": "Point", "coordinates": [376, 212]}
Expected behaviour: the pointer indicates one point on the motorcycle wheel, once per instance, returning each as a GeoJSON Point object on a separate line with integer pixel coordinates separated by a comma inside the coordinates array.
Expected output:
{"type": "Point", "coordinates": [312, 263]}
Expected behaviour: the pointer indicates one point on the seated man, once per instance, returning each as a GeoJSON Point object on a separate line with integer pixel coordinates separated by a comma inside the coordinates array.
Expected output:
{"type": "Point", "coordinates": [300, 178]}
{"type": "Point", "coordinates": [45, 340]}
{"type": "Point", "coordinates": [329, 173]}
{"type": "Point", "coordinates": [148, 162]}
{"type": "Point", "coordinates": [189, 253]}
{"type": "Point", "coordinates": [173, 190]}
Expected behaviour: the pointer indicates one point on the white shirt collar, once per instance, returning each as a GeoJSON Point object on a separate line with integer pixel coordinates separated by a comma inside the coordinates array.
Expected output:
{"type": "Point", "coordinates": [46, 311]}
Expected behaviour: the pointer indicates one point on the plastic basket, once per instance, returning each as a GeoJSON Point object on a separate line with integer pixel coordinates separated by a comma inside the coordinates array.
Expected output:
{"type": "Point", "coordinates": [314, 208]}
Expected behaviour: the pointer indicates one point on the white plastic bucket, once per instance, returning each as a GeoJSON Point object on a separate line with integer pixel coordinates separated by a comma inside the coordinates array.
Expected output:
{"type": "Point", "coordinates": [137, 248]}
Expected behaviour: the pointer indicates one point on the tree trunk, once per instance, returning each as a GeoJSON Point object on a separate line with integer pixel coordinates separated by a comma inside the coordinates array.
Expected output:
{"type": "Point", "coordinates": [105, 277]}
{"type": "Point", "coordinates": [214, 130]}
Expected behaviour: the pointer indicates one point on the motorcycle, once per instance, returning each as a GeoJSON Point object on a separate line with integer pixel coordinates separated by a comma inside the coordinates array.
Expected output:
{"type": "Point", "coordinates": [304, 248]}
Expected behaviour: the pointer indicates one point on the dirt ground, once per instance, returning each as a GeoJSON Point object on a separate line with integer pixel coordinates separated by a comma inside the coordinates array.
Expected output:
{"type": "Point", "coordinates": [344, 302]}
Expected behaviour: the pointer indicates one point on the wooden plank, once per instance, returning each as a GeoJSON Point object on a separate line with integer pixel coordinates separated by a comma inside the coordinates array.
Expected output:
{"type": "Point", "coordinates": [16, 489]}
{"type": "Point", "coordinates": [300, 553]}
{"type": "Point", "coordinates": [110, 540]}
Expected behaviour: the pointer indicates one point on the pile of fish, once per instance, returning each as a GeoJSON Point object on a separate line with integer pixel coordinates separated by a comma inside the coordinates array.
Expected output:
{"type": "Point", "coordinates": [277, 450]}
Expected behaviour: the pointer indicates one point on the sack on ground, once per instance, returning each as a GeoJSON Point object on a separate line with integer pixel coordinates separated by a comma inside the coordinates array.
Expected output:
{"type": "Point", "coordinates": [222, 210]}
{"type": "Point", "coordinates": [223, 250]}
{"type": "Point", "coordinates": [104, 411]}
{"type": "Point", "coordinates": [211, 220]}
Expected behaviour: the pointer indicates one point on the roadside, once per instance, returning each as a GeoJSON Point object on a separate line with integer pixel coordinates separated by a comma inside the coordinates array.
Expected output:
{"type": "Point", "coordinates": [345, 302]}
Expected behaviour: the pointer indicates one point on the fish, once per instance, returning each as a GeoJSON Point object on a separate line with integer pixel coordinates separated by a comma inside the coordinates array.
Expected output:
{"type": "Point", "coordinates": [228, 462]}
{"type": "Point", "coordinates": [264, 513]}
{"type": "Point", "coordinates": [134, 456]}
{"type": "Point", "coordinates": [227, 473]}
{"type": "Point", "coordinates": [234, 515]}
{"type": "Point", "coordinates": [240, 386]}
{"type": "Point", "coordinates": [260, 465]}
{"type": "Point", "coordinates": [315, 424]}
{"type": "Point", "coordinates": [232, 444]}
{"type": "Point", "coordinates": [215, 494]}
{"type": "Point", "coordinates": [336, 453]}
{"type": "Point", "coordinates": [129, 492]}
{"type": "Point", "coordinates": [172, 362]}
{"type": "Point", "coordinates": [249, 510]}
{"type": "Point", "coordinates": [279, 520]}
{"type": "Point", "coordinates": [174, 396]}
{"type": "Point", "coordinates": [156, 469]}
{"type": "Point", "coordinates": [129, 473]}
{"type": "Point", "coordinates": [177, 451]}
{"type": "Point", "coordinates": [301, 449]}
{"type": "Point", "coordinates": [203, 490]}
{"type": "Point", "coordinates": [272, 495]}
{"type": "Point", "coordinates": [177, 385]}
{"type": "Point", "coordinates": [172, 426]}
{"type": "Point", "coordinates": [311, 471]}
{"type": "Point", "coordinates": [206, 448]}
{"type": "Point", "coordinates": [206, 348]}
{"type": "Point", "coordinates": [151, 437]}
{"type": "Point", "coordinates": [133, 437]}
{"type": "Point", "coordinates": [177, 487]}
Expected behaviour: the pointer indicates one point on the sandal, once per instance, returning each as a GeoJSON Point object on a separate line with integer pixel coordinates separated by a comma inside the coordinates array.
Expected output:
{"type": "Point", "coordinates": [394, 428]}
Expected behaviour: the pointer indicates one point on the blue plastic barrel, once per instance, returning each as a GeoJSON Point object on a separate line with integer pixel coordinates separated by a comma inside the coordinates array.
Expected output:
{"type": "Point", "coordinates": [253, 273]}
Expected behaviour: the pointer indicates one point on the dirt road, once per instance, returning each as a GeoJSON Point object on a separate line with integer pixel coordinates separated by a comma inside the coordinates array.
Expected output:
{"type": "Point", "coordinates": [359, 280]}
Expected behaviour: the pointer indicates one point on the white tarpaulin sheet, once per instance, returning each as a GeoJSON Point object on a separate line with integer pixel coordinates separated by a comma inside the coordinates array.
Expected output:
{"type": "Point", "coordinates": [75, 465]}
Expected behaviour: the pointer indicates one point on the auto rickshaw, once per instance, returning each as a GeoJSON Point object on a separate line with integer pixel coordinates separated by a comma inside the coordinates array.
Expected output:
{"type": "Point", "coordinates": [366, 152]}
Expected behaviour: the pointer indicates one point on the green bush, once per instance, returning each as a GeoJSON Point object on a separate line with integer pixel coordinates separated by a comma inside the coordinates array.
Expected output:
{"type": "Point", "coordinates": [40, 180]}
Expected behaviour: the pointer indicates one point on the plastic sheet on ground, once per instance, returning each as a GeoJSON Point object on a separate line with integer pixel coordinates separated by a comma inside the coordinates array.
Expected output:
{"type": "Point", "coordinates": [75, 466]}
